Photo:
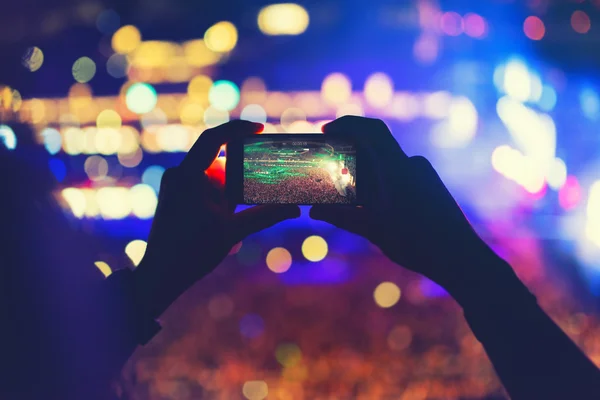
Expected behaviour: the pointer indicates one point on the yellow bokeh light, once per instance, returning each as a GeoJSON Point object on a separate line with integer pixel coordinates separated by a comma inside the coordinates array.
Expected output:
{"type": "Point", "coordinates": [192, 114]}
{"type": "Point", "coordinates": [255, 390]}
{"type": "Point", "coordinates": [104, 268]}
{"type": "Point", "coordinates": [350, 109]}
{"type": "Point", "coordinates": [143, 201]}
{"type": "Point", "coordinates": [126, 39]}
{"type": "Point", "coordinates": [91, 204]}
{"type": "Point", "coordinates": [76, 201]}
{"type": "Point", "coordinates": [291, 115]}
{"type": "Point", "coordinates": [283, 19]}
{"type": "Point", "coordinates": [288, 354]}
{"type": "Point", "coordinates": [279, 260]}
{"type": "Point", "coordinates": [135, 250]}
{"type": "Point", "coordinates": [314, 248]}
{"type": "Point", "coordinates": [198, 55]}
{"type": "Point", "coordinates": [33, 58]}
{"type": "Point", "coordinates": [131, 160]}
{"type": "Point", "coordinates": [154, 54]}
{"type": "Point", "coordinates": [107, 141]}
{"type": "Point", "coordinates": [113, 202]}
{"type": "Point", "coordinates": [108, 119]}
{"type": "Point", "coordinates": [253, 90]}
{"type": "Point", "coordinates": [386, 294]}
{"type": "Point", "coordinates": [130, 140]}
{"type": "Point", "coordinates": [80, 96]}
{"type": "Point", "coordinates": [379, 90]}
{"type": "Point", "coordinates": [336, 88]}
{"type": "Point", "coordinates": [199, 87]}
{"type": "Point", "coordinates": [73, 141]}
{"type": "Point", "coordinates": [221, 37]}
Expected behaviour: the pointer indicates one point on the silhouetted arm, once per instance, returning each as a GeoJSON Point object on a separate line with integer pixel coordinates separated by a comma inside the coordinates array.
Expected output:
{"type": "Point", "coordinates": [533, 357]}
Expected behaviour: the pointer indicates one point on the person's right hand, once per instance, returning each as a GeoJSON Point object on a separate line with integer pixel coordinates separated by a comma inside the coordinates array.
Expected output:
{"type": "Point", "coordinates": [408, 212]}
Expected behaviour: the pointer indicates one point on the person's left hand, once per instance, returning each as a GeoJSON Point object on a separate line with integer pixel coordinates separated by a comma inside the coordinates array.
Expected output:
{"type": "Point", "coordinates": [195, 227]}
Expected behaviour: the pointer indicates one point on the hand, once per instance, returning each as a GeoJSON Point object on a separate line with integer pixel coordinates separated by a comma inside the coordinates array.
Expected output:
{"type": "Point", "coordinates": [195, 227]}
{"type": "Point", "coordinates": [408, 212]}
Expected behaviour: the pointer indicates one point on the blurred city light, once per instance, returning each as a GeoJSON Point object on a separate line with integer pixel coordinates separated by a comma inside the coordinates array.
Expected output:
{"type": "Point", "coordinates": [8, 137]}
{"type": "Point", "coordinates": [224, 95]}
{"type": "Point", "coordinates": [580, 22]}
{"type": "Point", "coordinates": [152, 177]}
{"type": "Point", "coordinates": [548, 99]}
{"type": "Point", "coordinates": [141, 98]}
{"type": "Point", "coordinates": [126, 39]}
{"type": "Point", "coordinates": [379, 90]}
{"type": "Point", "coordinates": [143, 201]}
{"type": "Point", "coordinates": [135, 250]}
{"type": "Point", "coordinates": [117, 66]}
{"type": "Point", "coordinates": [590, 103]}
{"type": "Point", "coordinates": [84, 69]}
{"type": "Point", "coordinates": [534, 28]}
{"type": "Point", "coordinates": [96, 168]}
{"type": "Point", "coordinates": [451, 23]}
{"type": "Point", "coordinates": [288, 354]}
{"type": "Point", "coordinates": [255, 390]}
{"type": "Point", "coordinates": [569, 196]}
{"type": "Point", "coordinates": [336, 88]}
{"type": "Point", "coordinates": [199, 89]}
{"type": "Point", "coordinates": [104, 268]}
{"type": "Point", "coordinates": [33, 58]}
{"type": "Point", "coordinates": [386, 294]}
{"type": "Point", "coordinates": [254, 113]}
{"type": "Point", "coordinates": [221, 37]}
{"type": "Point", "coordinates": [283, 19]}
{"type": "Point", "coordinates": [214, 116]}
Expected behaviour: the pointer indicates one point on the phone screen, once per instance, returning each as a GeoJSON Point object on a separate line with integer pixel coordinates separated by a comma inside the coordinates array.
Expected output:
{"type": "Point", "coordinates": [298, 170]}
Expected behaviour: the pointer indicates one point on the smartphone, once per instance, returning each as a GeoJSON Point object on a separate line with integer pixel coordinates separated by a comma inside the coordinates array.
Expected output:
{"type": "Point", "coordinates": [301, 169]}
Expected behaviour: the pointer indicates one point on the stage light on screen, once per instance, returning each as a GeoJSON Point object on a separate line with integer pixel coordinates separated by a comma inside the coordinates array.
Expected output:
{"type": "Point", "coordinates": [255, 390]}
{"type": "Point", "coordinates": [314, 248]}
{"type": "Point", "coordinates": [254, 113]}
{"type": "Point", "coordinates": [75, 200]}
{"type": "Point", "coordinates": [580, 22]}
{"type": "Point", "coordinates": [399, 338]}
{"type": "Point", "coordinates": [143, 201]}
{"type": "Point", "coordinates": [32, 59]}
{"type": "Point", "coordinates": [386, 294]}
{"type": "Point", "coordinates": [224, 95]}
{"type": "Point", "coordinates": [221, 37]}
{"type": "Point", "coordinates": [220, 306]}
{"type": "Point", "coordinates": [451, 24]}
{"type": "Point", "coordinates": [84, 69]}
{"type": "Point", "coordinates": [252, 326]}
{"type": "Point", "coordinates": [8, 137]}
{"type": "Point", "coordinates": [379, 90]}
{"type": "Point", "coordinates": [283, 19]}
{"type": "Point", "coordinates": [141, 98]}
{"type": "Point", "coordinates": [349, 109]}
{"type": "Point", "coordinates": [135, 250]}
{"type": "Point", "coordinates": [126, 39]}
{"type": "Point", "coordinates": [557, 174]}
{"type": "Point", "coordinates": [279, 260]}
{"type": "Point", "coordinates": [104, 268]}
{"type": "Point", "coordinates": [534, 28]}
{"type": "Point", "coordinates": [336, 88]}
{"type": "Point", "coordinates": [590, 103]}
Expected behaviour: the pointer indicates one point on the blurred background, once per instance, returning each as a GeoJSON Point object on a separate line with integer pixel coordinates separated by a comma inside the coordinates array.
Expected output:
{"type": "Point", "coordinates": [502, 97]}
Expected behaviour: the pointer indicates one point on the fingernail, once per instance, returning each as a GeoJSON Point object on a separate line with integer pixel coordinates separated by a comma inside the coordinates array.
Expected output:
{"type": "Point", "coordinates": [324, 127]}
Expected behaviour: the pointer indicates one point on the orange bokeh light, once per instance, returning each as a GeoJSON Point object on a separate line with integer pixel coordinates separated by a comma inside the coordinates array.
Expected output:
{"type": "Point", "coordinates": [580, 22]}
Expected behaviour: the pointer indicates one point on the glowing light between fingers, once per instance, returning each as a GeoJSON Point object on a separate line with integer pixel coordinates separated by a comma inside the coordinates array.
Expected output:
{"type": "Point", "coordinates": [135, 250]}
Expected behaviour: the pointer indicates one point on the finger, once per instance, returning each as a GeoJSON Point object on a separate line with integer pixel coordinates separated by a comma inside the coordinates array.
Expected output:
{"type": "Point", "coordinates": [257, 218]}
{"type": "Point", "coordinates": [352, 219]}
{"type": "Point", "coordinates": [207, 147]}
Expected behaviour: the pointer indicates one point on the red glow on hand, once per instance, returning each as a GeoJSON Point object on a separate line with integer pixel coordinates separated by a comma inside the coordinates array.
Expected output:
{"type": "Point", "coordinates": [216, 171]}
{"type": "Point", "coordinates": [344, 171]}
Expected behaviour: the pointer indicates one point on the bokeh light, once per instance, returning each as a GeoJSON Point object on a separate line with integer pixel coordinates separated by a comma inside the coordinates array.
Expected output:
{"type": "Point", "coordinates": [288, 354]}
{"type": "Point", "coordinates": [104, 268]}
{"type": "Point", "coordinates": [224, 95]}
{"type": "Point", "coordinates": [33, 58]}
{"type": "Point", "coordinates": [557, 174]}
{"type": "Point", "coordinates": [283, 19]}
{"type": "Point", "coordinates": [379, 90]}
{"type": "Point", "coordinates": [314, 248]}
{"type": "Point", "coordinates": [252, 326]}
{"type": "Point", "coordinates": [254, 113]}
{"type": "Point", "coordinates": [135, 250]}
{"type": "Point", "coordinates": [590, 103]}
{"type": "Point", "coordinates": [451, 23]}
{"type": "Point", "coordinates": [214, 117]}
{"type": "Point", "coordinates": [336, 88]}
{"type": "Point", "coordinates": [108, 119]}
{"type": "Point", "coordinates": [141, 98]}
{"type": "Point", "coordinates": [255, 390]}
{"type": "Point", "coordinates": [290, 116]}
{"type": "Point", "coordinates": [126, 39]}
{"type": "Point", "coordinates": [221, 37]}
{"type": "Point", "coordinates": [580, 22]}
{"type": "Point", "coordinates": [475, 25]}
{"type": "Point", "coordinates": [199, 88]}
{"type": "Point", "coordinates": [152, 177]}
{"type": "Point", "coordinates": [117, 66]}
{"type": "Point", "coordinates": [399, 338]}
{"type": "Point", "coordinates": [76, 201]}
{"type": "Point", "coordinates": [108, 21]}
{"type": "Point", "coordinates": [8, 137]}
{"type": "Point", "coordinates": [96, 168]}
{"type": "Point", "coordinates": [143, 200]}
{"type": "Point", "coordinates": [84, 69]}
{"type": "Point", "coordinates": [191, 114]}
{"type": "Point", "coordinates": [386, 294]}
{"type": "Point", "coordinates": [52, 140]}
{"type": "Point", "coordinates": [253, 90]}
{"type": "Point", "coordinates": [279, 260]}
{"type": "Point", "coordinates": [548, 99]}
{"type": "Point", "coordinates": [534, 28]}
{"type": "Point", "coordinates": [113, 202]}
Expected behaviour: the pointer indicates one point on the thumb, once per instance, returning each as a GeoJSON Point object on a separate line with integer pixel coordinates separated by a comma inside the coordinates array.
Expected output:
{"type": "Point", "coordinates": [352, 219]}
{"type": "Point", "coordinates": [255, 219]}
